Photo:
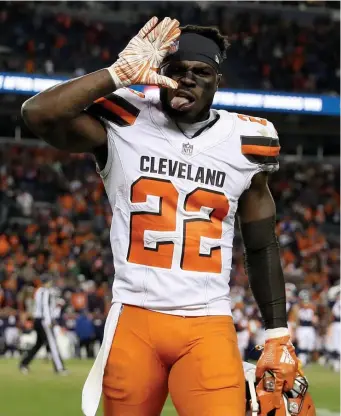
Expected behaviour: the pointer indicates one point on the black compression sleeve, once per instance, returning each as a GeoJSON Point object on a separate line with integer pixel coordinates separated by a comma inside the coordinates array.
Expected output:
{"type": "Point", "coordinates": [263, 266]}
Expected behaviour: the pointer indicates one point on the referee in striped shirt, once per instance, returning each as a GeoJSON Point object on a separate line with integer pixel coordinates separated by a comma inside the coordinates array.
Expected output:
{"type": "Point", "coordinates": [43, 324]}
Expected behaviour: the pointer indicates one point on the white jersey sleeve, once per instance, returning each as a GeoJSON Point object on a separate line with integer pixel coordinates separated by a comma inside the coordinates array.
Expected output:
{"type": "Point", "coordinates": [259, 142]}
{"type": "Point", "coordinates": [259, 145]}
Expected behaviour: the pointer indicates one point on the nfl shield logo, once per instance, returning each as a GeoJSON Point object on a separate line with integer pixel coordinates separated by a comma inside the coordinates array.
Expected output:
{"type": "Point", "coordinates": [187, 149]}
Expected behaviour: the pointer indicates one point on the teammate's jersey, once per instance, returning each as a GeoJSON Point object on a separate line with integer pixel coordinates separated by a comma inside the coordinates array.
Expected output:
{"type": "Point", "coordinates": [174, 201]}
{"type": "Point", "coordinates": [306, 315]}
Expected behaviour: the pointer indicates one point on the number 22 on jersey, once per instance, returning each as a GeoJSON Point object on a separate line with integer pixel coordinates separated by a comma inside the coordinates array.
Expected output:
{"type": "Point", "coordinates": [165, 221]}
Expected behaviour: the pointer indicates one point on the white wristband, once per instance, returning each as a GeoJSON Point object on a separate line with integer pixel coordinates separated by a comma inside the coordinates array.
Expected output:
{"type": "Point", "coordinates": [276, 333]}
{"type": "Point", "coordinates": [115, 78]}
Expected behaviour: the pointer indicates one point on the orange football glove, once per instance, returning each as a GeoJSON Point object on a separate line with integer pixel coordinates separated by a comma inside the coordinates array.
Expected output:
{"type": "Point", "coordinates": [300, 368]}
{"type": "Point", "coordinates": [139, 61]}
{"type": "Point", "coordinates": [279, 357]}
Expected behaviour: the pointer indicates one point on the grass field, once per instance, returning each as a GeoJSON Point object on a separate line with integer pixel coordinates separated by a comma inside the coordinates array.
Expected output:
{"type": "Point", "coordinates": [41, 393]}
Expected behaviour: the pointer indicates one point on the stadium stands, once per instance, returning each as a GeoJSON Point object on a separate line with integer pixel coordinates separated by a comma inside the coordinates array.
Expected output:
{"type": "Point", "coordinates": [268, 51]}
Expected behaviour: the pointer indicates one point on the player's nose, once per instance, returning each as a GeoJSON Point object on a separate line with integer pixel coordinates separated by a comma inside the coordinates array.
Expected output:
{"type": "Point", "coordinates": [187, 79]}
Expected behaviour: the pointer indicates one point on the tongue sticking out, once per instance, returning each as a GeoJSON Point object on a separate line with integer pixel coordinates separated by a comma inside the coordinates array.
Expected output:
{"type": "Point", "coordinates": [178, 102]}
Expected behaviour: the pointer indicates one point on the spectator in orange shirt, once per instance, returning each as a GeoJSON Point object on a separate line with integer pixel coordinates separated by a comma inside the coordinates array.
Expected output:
{"type": "Point", "coordinates": [4, 246]}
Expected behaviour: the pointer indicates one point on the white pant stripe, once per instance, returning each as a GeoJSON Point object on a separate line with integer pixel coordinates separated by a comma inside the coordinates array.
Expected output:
{"type": "Point", "coordinates": [53, 347]}
{"type": "Point", "coordinates": [92, 389]}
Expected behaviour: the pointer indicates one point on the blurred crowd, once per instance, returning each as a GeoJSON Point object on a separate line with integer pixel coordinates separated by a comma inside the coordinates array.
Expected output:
{"type": "Point", "coordinates": [268, 51]}
{"type": "Point", "coordinates": [55, 218]}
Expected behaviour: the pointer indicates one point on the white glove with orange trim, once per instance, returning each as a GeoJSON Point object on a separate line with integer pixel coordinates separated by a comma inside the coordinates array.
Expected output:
{"type": "Point", "coordinates": [279, 357]}
{"type": "Point", "coordinates": [139, 61]}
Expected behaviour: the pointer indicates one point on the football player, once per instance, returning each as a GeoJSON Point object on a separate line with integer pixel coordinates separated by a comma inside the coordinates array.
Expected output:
{"type": "Point", "coordinates": [306, 322]}
{"type": "Point", "coordinates": [330, 339]}
{"type": "Point", "coordinates": [177, 173]}
{"type": "Point", "coordinates": [335, 332]}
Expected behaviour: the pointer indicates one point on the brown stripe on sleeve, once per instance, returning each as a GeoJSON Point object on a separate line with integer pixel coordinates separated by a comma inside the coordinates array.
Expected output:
{"type": "Point", "coordinates": [98, 111]}
{"type": "Point", "coordinates": [119, 111]}
{"type": "Point", "coordinates": [114, 108]}
{"type": "Point", "coordinates": [123, 103]}
{"type": "Point", "coordinates": [260, 140]}
{"type": "Point", "coordinates": [260, 149]}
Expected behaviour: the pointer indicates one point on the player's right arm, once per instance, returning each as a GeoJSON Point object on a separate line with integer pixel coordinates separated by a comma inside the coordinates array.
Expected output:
{"type": "Point", "coordinates": [57, 114]}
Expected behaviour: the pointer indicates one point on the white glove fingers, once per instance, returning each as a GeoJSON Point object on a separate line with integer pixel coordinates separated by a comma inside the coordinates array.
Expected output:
{"type": "Point", "coordinates": [164, 48]}
{"type": "Point", "coordinates": [164, 24]}
{"type": "Point", "coordinates": [173, 36]}
{"type": "Point", "coordinates": [161, 31]}
{"type": "Point", "coordinates": [173, 26]}
{"type": "Point", "coordinates": [163, 81]}
{"type": "Point", "coordinates": [153, 34]}
{"type": "Point", "coordinates": [139, 61]}
{"type": "Point", "coordinates": [148, 27]}
{"type": "Point", "coordinates": [169, 26]}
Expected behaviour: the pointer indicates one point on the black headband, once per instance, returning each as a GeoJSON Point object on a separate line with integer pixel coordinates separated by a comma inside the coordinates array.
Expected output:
{"type": "Point", "coordinates": [194, 47]}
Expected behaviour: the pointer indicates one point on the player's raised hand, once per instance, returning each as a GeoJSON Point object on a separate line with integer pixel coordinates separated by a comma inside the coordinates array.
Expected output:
{"type": "Point", "coordinates": [279, 357]}
{"type": "Point", "coordinates": [139, 61]}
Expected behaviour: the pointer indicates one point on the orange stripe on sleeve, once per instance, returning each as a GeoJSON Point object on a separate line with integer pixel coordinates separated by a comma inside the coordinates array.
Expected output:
{"type": "Point", "coordinates": [116, 109]}
{"type": "Point", "coordinates": [250, 149]}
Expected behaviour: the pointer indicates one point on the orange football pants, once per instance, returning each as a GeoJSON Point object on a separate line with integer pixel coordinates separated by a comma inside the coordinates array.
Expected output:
{"type": "Point", "coordinates": [196, 359]}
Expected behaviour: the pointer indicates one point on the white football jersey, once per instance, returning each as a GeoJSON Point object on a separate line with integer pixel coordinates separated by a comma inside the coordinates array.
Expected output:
{"type": "Point", "coordinates": [174, 201]}
{"type": "Point", "coordinates": [306, 315]}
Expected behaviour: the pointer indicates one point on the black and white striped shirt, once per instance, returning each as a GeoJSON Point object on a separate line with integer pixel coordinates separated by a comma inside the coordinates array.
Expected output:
{"type": "Point", "coordinates": [44, 305]}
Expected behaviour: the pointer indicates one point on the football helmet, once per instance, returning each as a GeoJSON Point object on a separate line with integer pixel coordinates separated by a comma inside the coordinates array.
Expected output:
{"type": "Point", "coordinates": [296, 402]}
{"type": "Point", "coordinates": [333, 293]}
{"type": "Point", "coordinates": [304, 296]}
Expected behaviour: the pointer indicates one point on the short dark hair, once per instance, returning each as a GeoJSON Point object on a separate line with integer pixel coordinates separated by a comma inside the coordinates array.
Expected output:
{"type": "Point", "coordinates": [210, 33]}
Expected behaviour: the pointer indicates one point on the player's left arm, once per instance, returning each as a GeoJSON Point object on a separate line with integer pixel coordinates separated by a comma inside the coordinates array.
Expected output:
{"type": "Point", "coordinates": [257, 221]}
